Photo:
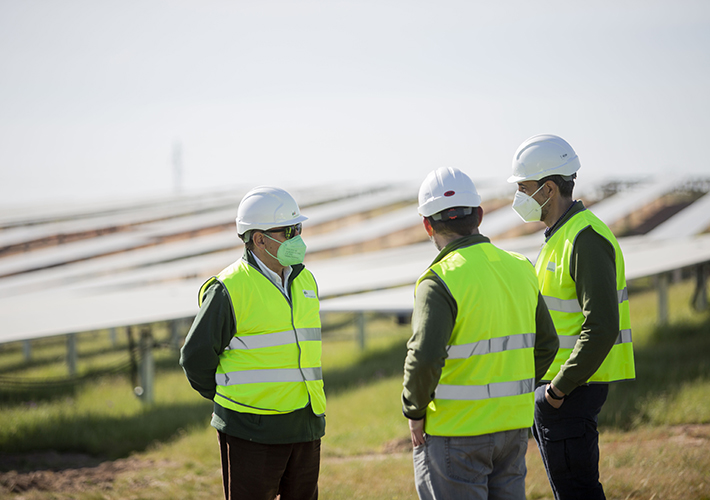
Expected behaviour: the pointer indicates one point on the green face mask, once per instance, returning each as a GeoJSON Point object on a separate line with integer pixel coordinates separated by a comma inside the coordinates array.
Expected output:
{"type": "Point", "coordinates": [290, 252]}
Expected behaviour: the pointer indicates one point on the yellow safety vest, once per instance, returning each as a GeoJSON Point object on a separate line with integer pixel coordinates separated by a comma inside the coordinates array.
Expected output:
{"type": "Point", "coordinates": [487, 382]}
{"type": "Point", "coordinates": [273, 363]}
{"type": "Point", "coordinates": [558, 289]}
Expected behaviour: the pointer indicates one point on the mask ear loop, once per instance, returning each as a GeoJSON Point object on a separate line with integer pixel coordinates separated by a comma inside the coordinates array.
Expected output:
{"type": "Point", "coordinates": [538, 190]}
{"type": "Point", "coordinates": [548, 199]}
{"type": "Point", "coordinates": [277, 241]}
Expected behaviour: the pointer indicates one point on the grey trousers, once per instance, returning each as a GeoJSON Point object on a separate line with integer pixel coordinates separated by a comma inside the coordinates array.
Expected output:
{"type": "Point", "coordinates": [491, 466]}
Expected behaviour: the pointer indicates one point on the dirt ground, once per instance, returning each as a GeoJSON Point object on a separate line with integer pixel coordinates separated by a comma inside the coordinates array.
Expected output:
{"type": "Point", "coordinates": [62, 472]}
{"type": "Point", "coordinates": [74, 472]}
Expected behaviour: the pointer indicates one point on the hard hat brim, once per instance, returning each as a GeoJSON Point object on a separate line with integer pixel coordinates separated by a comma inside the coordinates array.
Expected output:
{"type": "Point", "coordinates": [243, 227]}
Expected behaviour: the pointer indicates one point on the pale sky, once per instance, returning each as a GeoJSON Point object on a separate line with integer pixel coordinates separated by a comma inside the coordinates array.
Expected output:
{"type": "Point", "coordinates": [94, 94]}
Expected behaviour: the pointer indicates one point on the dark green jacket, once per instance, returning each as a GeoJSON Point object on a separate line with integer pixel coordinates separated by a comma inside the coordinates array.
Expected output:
{"type": "Point", "coordinates": [435, 312]}
{"type": "Point", "coordinates": [213, 329]}
{"type": "Point", "coordinates": [593, 269]}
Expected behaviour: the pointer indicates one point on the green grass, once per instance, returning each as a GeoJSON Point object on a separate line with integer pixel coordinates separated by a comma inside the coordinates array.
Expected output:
{"type": "Point", "coordinates": [672, 384]}
{"type": "Point", "coordinates": [48, 359]}
{"type": "Point", "coordinates": [648, 441]}
{"type": "Point", "coordinates": [95, 413]}
{"type": "Point", "coordinates": [102, 416]}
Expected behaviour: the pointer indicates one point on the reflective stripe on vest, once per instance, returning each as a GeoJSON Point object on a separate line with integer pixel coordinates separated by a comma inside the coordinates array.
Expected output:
{"type": "Point", "coordinates": [486, 384]}
{"type": "Point", "coordinates": [560, 294]}
{"type": "Point", "coordinates": [569, 341]}
{"type": "Point", "coordinates": [572, 305]}
{"type": "Point", "coordinates": [273, 363]}
{"type": "Point", "coordinates": [478, 392]}
{"type": "Point", "coordinates": [274, 339]}
{"type": "Point", "coordinates": [487, 346]}
{"type": "Point", "coordinates": [269, 376]}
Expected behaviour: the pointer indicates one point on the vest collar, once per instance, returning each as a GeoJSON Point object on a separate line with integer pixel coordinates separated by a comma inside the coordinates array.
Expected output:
{"type": "Point", "coordinates": [296, 269]}
{"type": "Point", "coordinates": [463, 242]}
{"type": "Point", "coordinates": [576, 207]}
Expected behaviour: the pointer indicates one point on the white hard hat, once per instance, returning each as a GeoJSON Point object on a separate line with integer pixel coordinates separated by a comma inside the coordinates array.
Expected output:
{"type": "Point", "coordinates": [267, 207]}
{"type": "Point", "coordinates": [446, 187]}
{"type": "Point", "coordinates": [541, 156]}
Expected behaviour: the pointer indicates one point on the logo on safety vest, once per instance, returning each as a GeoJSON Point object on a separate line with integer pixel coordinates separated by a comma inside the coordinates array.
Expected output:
{"type": "Point", "coordinates": [309, 294]}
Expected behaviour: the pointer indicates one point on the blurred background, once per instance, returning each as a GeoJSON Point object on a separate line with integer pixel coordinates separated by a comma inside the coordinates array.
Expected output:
{"type": "Point", "coordinates": [105, 98]}
{"type": "Point", "coordinates": [129, 131]}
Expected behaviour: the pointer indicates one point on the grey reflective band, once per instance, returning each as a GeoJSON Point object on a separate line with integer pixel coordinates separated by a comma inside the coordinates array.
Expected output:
{"type": "Point", "coordinates": [624, 337]}
{"type": "Point", "coordinates": [488, 346]}
{"type": "Point", "coordinates": [308, 334]}
{"type": "Point", "coordinates": [568, 306]}
{"type": "Point", "coordinates": [269, 376]}
{"type": "Point", "coordinates": [569, 341]}
{"type": "Point", "coordinates": [274, 339]}
{"type": "Point", "coordinates": [479, 392]}
{"type": "Point", "coordinates": [572, 305]}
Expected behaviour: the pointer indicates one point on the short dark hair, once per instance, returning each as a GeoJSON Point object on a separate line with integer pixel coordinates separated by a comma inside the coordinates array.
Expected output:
{"type": "Point", "coordinates": [460, 226]}
{"type": "Point", "coordinates": [564, 183]}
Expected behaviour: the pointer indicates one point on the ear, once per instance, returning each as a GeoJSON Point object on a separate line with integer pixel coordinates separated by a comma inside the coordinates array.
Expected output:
{"type": "Point", "coordinates": [258, 239]}
{"type": "Point", "coordinates": [427, 226]}
{"type": "Point", "coordinates": [550, 188]}
{"type": "Point", "coordinates": [479, 213]}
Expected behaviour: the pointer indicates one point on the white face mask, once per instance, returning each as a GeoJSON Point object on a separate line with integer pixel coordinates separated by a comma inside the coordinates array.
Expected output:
{"type": "Point", "coordinates": [527, 208]}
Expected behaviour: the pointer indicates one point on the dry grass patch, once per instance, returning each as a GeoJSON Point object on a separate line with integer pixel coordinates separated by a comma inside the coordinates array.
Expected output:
{"type": "Point", "coordinates": [669, 463]}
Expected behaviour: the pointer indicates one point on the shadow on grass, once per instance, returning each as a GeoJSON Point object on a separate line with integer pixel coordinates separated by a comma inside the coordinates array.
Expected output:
{"type": "Point", "coordinates": [675, 354]}
{"type": "Point", "coordinates": [371, 366]}
{"type": "Point", "coordinates": [41, 359]}
{"type": "Point", "coordinates": [108, 437]}
{"type": "Point", "coordinates": [20, 389]}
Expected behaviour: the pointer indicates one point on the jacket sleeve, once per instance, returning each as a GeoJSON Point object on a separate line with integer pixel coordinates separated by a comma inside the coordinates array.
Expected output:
{"type": "Point", "coordinates": [546, 341]}
{"type": "Point", "coordinates": [432, 323]}
{"type": "Point", "coordinates": [211, 332]}
{"type": "Point", "coordinates": [593, 268]}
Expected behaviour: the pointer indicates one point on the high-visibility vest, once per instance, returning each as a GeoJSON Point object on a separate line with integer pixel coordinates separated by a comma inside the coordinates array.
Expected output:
{"type": "Point", "coordinates": [558, 289]}
{"type": "Point", "coordinates": [487, 382]}
{"type": "Point", "coordinates": [273, 363]}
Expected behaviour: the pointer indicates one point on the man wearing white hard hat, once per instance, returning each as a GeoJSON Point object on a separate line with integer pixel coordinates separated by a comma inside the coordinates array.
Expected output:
{"type": "Point", "coordinates": [581, 275]}
{"type": "Point", "coordinates": [482, 337]}
{"type": "Point", "coordinates": [255, 350]}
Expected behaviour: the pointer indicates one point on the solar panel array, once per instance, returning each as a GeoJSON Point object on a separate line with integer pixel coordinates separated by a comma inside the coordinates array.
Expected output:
{"type": "Point", "coordinates": [71, 269]}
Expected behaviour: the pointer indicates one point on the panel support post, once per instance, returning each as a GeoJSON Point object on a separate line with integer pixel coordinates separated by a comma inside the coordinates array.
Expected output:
{"type": "Point", "coordinates": [71, 354]}
{"type": "Point", "coordinates": [175, 334]}
{"type": "Point", "coordinates": [662, 285]}
{"type": "Point", "coordinates": [147, 366]}
{"type": "Point", "coordinates": [700, 295]}
{"type": "Point", "coordinates": [360, 324]}
{"type": "Point", "coordinates": [27, 350]}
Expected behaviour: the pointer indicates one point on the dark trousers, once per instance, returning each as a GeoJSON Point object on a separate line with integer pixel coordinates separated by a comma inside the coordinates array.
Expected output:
{"type": "Point", "coordinates": [254, 471]}
{"type": "Point", "coordinates": [569, 441]}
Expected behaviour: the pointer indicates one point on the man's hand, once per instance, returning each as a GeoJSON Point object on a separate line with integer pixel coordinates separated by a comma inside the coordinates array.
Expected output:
{"type": "Point", "coordinates": [555, 403]}
{"type": "Point", "coordinates": [416, 429]}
